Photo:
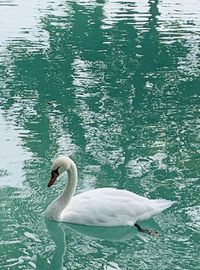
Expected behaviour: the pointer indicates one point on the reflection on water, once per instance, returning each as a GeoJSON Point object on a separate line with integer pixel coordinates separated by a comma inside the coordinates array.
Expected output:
{"type": "Point", "coordinates": [12, 155]}
{"type": "Point", "coordinates": [114, 84]}
{"type": "Point", "coordinates": [58, 234]}
{"type": "Point", "coordinates": [105, 233]}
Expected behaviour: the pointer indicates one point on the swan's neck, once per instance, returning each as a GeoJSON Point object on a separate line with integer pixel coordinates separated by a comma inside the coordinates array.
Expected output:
{"type": "Point", "coordinates": [69, 190]}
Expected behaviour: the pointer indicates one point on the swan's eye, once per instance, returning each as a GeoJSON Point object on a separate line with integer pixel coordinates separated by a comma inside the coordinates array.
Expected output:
{"type": "Point", "coordinates": [55, 172]}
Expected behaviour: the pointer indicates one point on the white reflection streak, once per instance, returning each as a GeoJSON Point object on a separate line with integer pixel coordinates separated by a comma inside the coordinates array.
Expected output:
{"type": "Point", "coordinates": [83, 77]}
{"type": "Point", "coordinates": [12, 155]}
{"type": "Point", "coordinates": [21, 19]}
{"type": "Point", "coordinates": [88, 3]}
{"type": "Point", "coordinates": [115, 11]}
{"type": "Point", "coordinates": [18, 17]}
{"type": "Point", "coordinates": [194, 214]}
{"type": "Point", "coordinates": [180, 18]}
{"type": "Point", "coordinates": [61, 136]}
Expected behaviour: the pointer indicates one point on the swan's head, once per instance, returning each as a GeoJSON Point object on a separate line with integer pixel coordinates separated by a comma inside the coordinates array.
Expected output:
{"type": "Point", "coordinates": [60, 165]}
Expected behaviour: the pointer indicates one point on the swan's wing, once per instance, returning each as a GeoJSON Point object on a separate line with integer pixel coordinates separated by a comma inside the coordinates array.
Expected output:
{"type": "Point", "coordinates": [110, 193]}
{"type": "Point", "coordinates": [108, 207]}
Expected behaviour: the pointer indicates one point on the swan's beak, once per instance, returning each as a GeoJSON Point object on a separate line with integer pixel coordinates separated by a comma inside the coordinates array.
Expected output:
{"type": "Point", "coordinates": [53, 179]}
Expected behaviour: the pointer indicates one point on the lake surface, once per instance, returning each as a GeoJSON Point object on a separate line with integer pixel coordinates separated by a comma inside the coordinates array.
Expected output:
{"type": "Point", "coordinates": [115, 85]}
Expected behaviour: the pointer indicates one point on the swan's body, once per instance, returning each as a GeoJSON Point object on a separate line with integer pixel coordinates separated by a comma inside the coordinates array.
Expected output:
{"type": "Point", "coordinates": [99, 207]}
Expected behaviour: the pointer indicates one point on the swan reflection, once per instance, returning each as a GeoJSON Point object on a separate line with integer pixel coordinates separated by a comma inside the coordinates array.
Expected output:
{"type": "Point", "coordinates": [121, 233]}
{"type": "Point", "coordinates": [58, 233]}
{"type": "Point", "coordinates": [58, 236]}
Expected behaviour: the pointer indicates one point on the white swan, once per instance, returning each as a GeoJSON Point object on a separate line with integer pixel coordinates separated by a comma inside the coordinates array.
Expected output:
{"type": "Point", "coordinates": [99, 207]}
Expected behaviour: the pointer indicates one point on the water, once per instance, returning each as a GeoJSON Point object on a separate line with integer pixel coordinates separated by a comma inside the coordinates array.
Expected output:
{"type": "Point", "coordinates": [115, 85]}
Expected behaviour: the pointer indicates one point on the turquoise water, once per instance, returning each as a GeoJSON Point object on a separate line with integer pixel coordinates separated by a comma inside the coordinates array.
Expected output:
{"type": "Point", "coordinates": [115, 85]}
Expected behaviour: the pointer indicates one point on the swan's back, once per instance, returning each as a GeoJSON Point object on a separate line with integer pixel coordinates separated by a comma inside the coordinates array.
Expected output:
{"type": "Point", "coordinates": [111, 207]}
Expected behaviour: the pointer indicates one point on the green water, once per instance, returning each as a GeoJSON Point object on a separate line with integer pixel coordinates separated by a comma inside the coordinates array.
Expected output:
{"type": "Point", "coordinates": [115, 85]}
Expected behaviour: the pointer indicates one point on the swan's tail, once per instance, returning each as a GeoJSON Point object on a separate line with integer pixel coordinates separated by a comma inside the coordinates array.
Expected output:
{"type": "Point", "coordinates": [156, 207]}
{"type": "Point", "coordinates": [162, 204]}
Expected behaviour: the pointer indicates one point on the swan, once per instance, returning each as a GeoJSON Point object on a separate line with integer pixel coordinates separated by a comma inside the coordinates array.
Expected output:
{"type": "Point", "coordinates": [99, 207]}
